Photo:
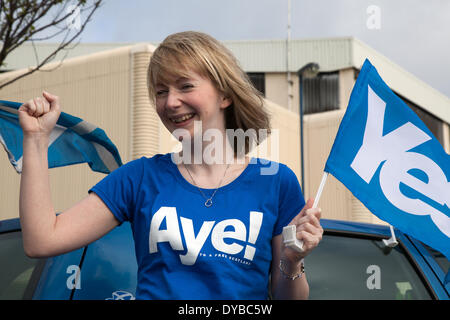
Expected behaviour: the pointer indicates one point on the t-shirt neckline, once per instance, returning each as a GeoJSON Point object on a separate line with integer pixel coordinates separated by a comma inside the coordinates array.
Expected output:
{"type": "Point", "coordinates": [194, 188]}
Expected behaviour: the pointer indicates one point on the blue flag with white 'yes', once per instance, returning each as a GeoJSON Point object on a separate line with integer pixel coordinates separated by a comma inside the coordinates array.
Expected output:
{"type": "Point", "coordinates": [72, 141]}
{"type": "Point", "coordinates": [386, 156]}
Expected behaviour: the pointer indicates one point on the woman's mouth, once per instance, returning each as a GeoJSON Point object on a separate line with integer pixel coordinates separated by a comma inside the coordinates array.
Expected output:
{"type": "Point", "coordinates": [181, 120]}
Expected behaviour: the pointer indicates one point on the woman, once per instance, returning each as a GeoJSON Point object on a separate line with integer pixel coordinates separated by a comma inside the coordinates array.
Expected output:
{"type": "Point", "coordinates": [207, 225]}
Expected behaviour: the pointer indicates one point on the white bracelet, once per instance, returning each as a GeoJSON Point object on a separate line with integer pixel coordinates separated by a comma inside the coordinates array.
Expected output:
{"type": "Point", "coordinates": [295, 275]}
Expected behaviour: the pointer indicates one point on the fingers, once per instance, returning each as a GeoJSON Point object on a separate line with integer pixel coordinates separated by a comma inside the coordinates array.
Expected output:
{"type": "Point", "coordinates": [310, 222]}
{"type": "Point", "coordinates": [39, 106]}
{"type": "Point", "coordinates": [311, 234]}
{"type": "Point", "coordinates": [33, 107]}
{"type": "Point", "coordinates": [309, 203]}
{"type": "Point", "coordinates": [52, 99]}
{"type": "Point", "coordinates": [310, 239]}
{"type": "Point", "coordinates": [312, 216]}
{"type": "Point", "coordinates": [307, 211]}
{"type": "Point", "coordinates": [308, 226]}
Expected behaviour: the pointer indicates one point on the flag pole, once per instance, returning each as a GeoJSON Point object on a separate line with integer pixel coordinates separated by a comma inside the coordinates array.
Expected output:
{"type": "Point", "coordinates": [289, 232]}
{"type": "Point", "coordinates": [319, 191]}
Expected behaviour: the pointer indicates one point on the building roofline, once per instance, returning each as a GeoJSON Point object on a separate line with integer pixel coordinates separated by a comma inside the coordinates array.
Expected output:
{"type": "Point", "coordinates": [269, 56]}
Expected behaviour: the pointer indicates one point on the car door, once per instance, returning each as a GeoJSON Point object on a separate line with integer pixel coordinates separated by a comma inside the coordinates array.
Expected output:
{"type": "Point", "coordinates": [106, 269]}
{"type": "Point", "coordinates": [109, 267]}
{"type": "Point", "coordinates": [26, 278]}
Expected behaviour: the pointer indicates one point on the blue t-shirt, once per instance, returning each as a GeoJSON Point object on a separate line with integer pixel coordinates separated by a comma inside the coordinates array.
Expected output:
{"type": "Point", "coordinates": [186, 250]}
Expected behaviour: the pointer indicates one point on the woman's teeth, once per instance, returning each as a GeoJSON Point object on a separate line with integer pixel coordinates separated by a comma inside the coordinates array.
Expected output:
{"type": "Point", "coordinates": [183, 118]}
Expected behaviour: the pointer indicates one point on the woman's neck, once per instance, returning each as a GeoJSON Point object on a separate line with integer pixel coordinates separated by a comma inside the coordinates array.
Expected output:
{"type": "Point", "coordinates": [207, 156]}
{"type": "Point", "coordinates": [211, 164]}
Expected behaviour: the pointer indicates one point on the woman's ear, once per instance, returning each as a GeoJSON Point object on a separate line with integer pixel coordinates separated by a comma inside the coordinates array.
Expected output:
{"type": "Point", "coordinates": [226, 102]}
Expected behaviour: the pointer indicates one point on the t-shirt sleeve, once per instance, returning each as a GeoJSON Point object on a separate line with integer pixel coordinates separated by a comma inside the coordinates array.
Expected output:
{"type": "Point", "coordinates": [291, 200]}
{"type": "Point", "coordinates": [118, 190]}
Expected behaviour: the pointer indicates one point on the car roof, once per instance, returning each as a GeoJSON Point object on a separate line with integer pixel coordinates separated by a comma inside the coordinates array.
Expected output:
{"type": "Point", "coordinates": [356, 227]}
{"type": "Point", "coordinates": [9, 225]}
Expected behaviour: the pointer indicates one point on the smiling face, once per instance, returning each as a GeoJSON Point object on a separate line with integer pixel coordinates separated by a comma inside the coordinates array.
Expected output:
{"type": "Point", "coordinates": [197, 79]}
{"type": "Point", "coordinates": [181, 100]}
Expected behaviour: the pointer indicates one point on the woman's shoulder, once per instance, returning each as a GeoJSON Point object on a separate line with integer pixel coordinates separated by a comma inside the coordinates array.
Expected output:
{"type": "Point", "coordinates": [156, 159]}
{"type": "Point", "coordinates": [139, 164]}
{"type": "Point", "coordinates": [271, 168]}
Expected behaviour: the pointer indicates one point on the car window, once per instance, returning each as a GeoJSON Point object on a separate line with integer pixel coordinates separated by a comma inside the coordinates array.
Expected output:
{"type": "Point", "coordinates": [344, 267]}
{"type": "Point", "coordinates": [440, 259]}
{"type": "Point", "coordinates": [16, 268]}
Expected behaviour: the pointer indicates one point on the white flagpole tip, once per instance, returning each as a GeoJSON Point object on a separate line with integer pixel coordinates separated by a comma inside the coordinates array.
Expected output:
{"type": "Point", "coordinates": [319, 191]}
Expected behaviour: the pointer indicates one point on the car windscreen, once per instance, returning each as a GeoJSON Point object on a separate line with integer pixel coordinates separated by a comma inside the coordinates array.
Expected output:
{"type": "Point", "coordinates": [440, 259]}
{"type": "Point", "coordinates": [344, 267]}
{"type": "Point", "coordinates": [16, 268]}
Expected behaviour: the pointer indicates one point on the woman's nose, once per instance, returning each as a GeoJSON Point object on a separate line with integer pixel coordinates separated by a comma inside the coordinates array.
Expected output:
{"type": "Point", "coordinates": [173, 99]}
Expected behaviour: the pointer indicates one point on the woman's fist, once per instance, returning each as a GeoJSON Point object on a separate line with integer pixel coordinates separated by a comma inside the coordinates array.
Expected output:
{"type": "Point", "coordinates": [308, 230]}
{"type": "Point", "coordinates": [39, 115]}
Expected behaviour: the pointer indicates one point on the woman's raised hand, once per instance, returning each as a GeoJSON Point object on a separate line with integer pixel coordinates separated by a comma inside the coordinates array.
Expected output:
{"type": "Point", "coordinates": [38, 116]}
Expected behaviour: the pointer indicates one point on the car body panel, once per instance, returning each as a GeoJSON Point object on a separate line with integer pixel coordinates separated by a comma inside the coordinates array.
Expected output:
{"type": "Point", "coordinates": [444, 278]}
{"type": "Point", "coordinates": [118, 272]}
{"type": "Point", "coordinates": [58, 276]}
{"type": "Point", "coordinates": [107, 268]}
{"type": "Point", "coordinates": [9, 225]}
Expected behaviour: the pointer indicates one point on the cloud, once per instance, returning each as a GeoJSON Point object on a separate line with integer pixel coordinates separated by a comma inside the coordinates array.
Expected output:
{"type": "Point", "coordinates": [413, 33]}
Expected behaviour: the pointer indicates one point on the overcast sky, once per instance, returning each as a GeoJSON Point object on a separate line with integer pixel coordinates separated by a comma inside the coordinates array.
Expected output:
{"type": "Point", "coordinates": [414, 34]}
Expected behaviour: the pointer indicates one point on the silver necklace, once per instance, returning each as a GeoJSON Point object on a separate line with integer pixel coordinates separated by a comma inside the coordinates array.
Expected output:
{"type": "Point", "coordinates": [208, 202]}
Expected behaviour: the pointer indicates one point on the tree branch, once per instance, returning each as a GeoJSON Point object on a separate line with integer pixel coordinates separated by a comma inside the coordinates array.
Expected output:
{"type": "Point", "coordinates": [14, 32]}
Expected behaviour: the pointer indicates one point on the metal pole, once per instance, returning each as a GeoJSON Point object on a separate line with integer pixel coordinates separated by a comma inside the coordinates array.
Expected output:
{"type": "Point", "coordinates": [312, 69]}
{"type": "Point", "coordinates": [288, 57]}
{"type": "Point", "coordinates": [302, 168]}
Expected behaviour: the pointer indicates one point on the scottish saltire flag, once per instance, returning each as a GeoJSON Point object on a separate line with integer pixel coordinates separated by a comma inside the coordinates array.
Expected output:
{"type": "Point", "coordinates": [72, 141]}
{"type": "Point", "coordinates": [386, 156]}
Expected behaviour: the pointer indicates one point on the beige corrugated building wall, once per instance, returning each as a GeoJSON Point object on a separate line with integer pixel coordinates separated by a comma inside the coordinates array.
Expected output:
{"type": "Point", "coordinates": [109, 89]}
{"type": "Point", "coordinates": [95, 88]}
{"type": "Point", "coordinates": [341, 54]}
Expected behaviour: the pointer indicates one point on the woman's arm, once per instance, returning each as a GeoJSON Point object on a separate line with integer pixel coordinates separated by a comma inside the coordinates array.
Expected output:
{"type": "Point", "coordinates": [283, 288]}
{"type": "Point", "coordinates": [44, 233]}
{"type": "Point", "coordinates": [310, 232]}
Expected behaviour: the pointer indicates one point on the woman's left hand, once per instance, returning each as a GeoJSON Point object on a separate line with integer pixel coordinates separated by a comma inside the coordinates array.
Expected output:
{"type": "Point", "coordinates": [308, 230]}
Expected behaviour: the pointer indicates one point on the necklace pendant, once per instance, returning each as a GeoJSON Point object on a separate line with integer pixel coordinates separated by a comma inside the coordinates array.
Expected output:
{"type": "Point", "coordinates": [208, 203]}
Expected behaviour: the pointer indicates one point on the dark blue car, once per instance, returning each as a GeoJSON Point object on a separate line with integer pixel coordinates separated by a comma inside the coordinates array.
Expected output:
{"type": "Point", "coordinates": [351, 262]}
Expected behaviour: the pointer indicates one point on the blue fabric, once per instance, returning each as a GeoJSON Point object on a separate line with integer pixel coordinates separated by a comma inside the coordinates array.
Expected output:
{"type": "Point", "coordinates": [195, 252]}
{"type": "Point", "coordinates": [387, 157]}
{"type": "Point", "coordinates": [72, 141]}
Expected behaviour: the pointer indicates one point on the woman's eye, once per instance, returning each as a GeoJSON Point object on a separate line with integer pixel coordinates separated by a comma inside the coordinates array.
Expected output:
{"type": "Point", "coordinates": [187, 86]}
{"type": "Point", "coordinates": [161, 92]}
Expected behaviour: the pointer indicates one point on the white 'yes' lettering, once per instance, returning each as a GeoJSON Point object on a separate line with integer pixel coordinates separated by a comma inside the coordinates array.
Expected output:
{"type": "Point", "coordinates": [393, 148]}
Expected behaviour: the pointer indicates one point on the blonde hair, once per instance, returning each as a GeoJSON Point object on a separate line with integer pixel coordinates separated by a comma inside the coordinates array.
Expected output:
{"type": "Point", "coordinates": [201, 53]}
